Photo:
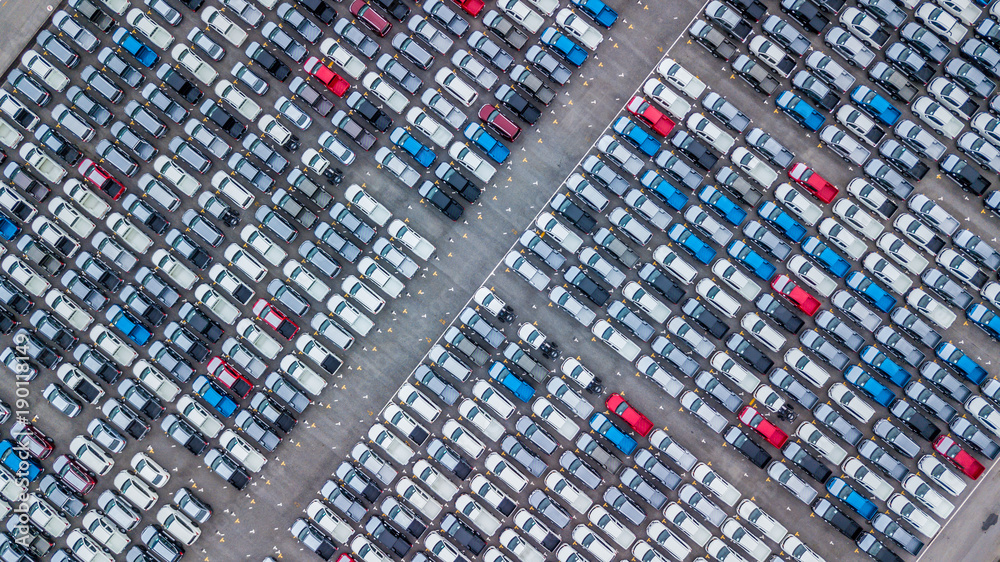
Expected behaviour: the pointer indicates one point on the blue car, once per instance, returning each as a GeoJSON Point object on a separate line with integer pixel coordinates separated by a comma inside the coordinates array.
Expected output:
{"type": "Point", "coordinates": [827, 257]}
{"type": "Point", "coordinates": [887, 367]}
{"type": "Point", "coordinates": [597, 10]}
{"type": "Point", "coordinates": [860, 504]}
{"type": "Point", "coordinates": [875, 105]}
{"type": "Point", "coordinates": [423, 155]}
{"type": "Point", "coordinates": [10, 459]}
{"type": "Point", "coordinates": [214, 395]}
{"type": "Point", "coordinates": [785, 223]}
{"type": "Point", "coordinates": [733, 213]}
{"type": "Point", "coordinates": [491, 146]}
{"type": "Point", "coordinates": [871, 292]}
{"type": "Point", "coordinates": [622, 441]}
{"type": "Point", "coordinates": [127, 324]}
{"type": "Point", "coordinates": [8, 228]}
{"type": "Point", "coordinates": [739, 251]}
{"type": "Point", "coordinates": [985, 320]}
{"type": "Point", "coordinates": [566, 47]}
{"type": "Point", "coordinates": [502, 375]}
{"type": "Point", "coordinates": [867, 383]}
{"type": "Point", "coordinates": [691, 243]}
{"type": "Point", "coordinates": [137, 48]}
{"type": "Point", "coordinates": [958, 360]}
{"type": "Point", "coordinates": [636, 136]}
{"type": "Point", "coordinates": [662, 188]}
{"type": "Point", "coordinates": [799, 110]}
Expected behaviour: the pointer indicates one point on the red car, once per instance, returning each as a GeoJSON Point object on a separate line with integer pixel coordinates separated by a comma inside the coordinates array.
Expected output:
{"type": "Point", "coordinates": [499, 122]}
{"type": "Point", "coordinates": [768, 430]}
{"type": "Point", "coordinates": [640, 423]}
{"type": "Point", "coordinates": [370, 17]}
{"type": "Point", "coordinates": [328, 77]}
{"type": "Point", "coordinates": [802, 299]}
{"type": "Point", "coordinates": [958, 457]}
{"type": "Point", "coordinates": [471, 7]}
{"type": "Point", "coordinates": [275, 319]}
{"type": "Point", "coordinates": [73, 474]}
{"type": "Point", "coordinates": [229, 377]}
{"type": "Point", "coordinates": [31, 439]}
{"type": "Point", "coordinates": [658, 121]}
{"type": "Point", "coordinates": [102, 179]}
{"type": "Point", "coordinates": [813, 182]}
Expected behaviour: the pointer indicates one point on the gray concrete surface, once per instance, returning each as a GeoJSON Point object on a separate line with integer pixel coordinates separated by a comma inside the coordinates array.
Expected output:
{"type": "Point", "coordinates": [20, 20]}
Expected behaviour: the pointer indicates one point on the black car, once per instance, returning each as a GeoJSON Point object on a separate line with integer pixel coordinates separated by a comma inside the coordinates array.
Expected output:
{"type": "Point", "coordinates": [888, 178]}
{"type": "Point", "coordinates": [573, 213]}
{"type": "Point", "coordinates": [273, 412]}
{"type": "Point", "coordinates": [815, 89]}
{"type": "Point", "coordinates": [842, 523]}
{"type": "Point", "coordinates": [903, 159]}
{"type": "Point", "coordinates": [99, 272]}
{"type": "Point", "coordinates": [806, 13]}
{"type": "Point", "coordinates": [871, 546]}
{"type": "Point", "coordinates": [712, 39]}
{"type": "Point", "coordinates": [661, 283]}
{"type": "Point", "coordinates": [230, 470]}
{"type": "Point", "coordinates": [396, 8]}
{"type": "Point", "coordinates": [320, 9]}
{"type": "Point", "coordinates": [778, 312]}
{"type": "Point", "coordinates": [962, 173]}
{"type": "Point", "coordinates": [14, 297]}
{"type": "Point", "coordinates": [188, 248]}
{"type": "Point", "coordinates": [449, 459]}
{"type": "Point", "coordinates": [746, 446]}
{"type": "Point", "coordinates": [96, 364]}
{"type": "Point", "coordinates": [505, 30]}
{"type": "Point", "coordinates": [909, 62]}
{"type": "Point", "coordinates": [268, 61]}
{"type": "Point", "coordinates": [441, 200]}
{"type": "Point", "coordinates": [463, 534]}
{"type": "Point", "coordinates": [707, 320]}
{"type": "Point", "coordinates": [35, 348]}
{"type": "Point", "coordinates": [455, 180]}
{"type": "Point", "coordinates": [375, 116]}
{"type": "Point", "coordinates": [308, 534]}
{"type": "Point", "coordinates": [749, 353]}
{"type": "Point", "coordinates": [58, 144]}
{"type": "Point", "coordinates": [697, 152]}
{"type": "Point", "coordinates": [520, 106]}
{"type": "Point", "coordinates": [814, 468]}
{"type": "Point", "coordinates": [352, 129]}
{"type": "Point", "coordinates": [200, 322]}
{"type": "Point", "coordinates": [593, 291]}
{"type": "Point", "coordinates": [753, 9]}
{"type": "Point", "coordinates": [231, 125]}
{"type": "Point", "coordinates": [172, 78]}
{"type": "Point", "coordinates": [387, 537]}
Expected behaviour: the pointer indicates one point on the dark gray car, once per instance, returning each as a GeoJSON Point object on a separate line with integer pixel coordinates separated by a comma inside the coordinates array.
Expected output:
{"type": "Point", "coordinates": [549, 508]}
{"type": "Point", "coordinates": [826, 415]}
{"type": "Point", "coordinates": [729, 400]}
{"type": "Point", "coordinates": [515, 449]}
{"type": "Point", "coordinates": [791, 385]}
{"type": "Point", "coordinates": [574, 465]}
{"type": "Point", "coordinates": [648, 461]}
{"type": "Point", "coordinates": [624, 505]}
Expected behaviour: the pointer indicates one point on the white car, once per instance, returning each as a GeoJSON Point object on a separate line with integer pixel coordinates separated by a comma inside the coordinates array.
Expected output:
{"type": "Point", "coordinates": [368, 205]}
{"type": "Point", "coordinates": [941, 475]}
{"type": "Point", "coordinates": [754, 167]}
{"type": "Point", "coordinates": [233, 190]}
{"type": "Point", "coordinates": [887, 273]}
{"type": "Point", "coordinates": [811, 275]}
{"type": "Point", "coordinates": [397, 450]}
{"type": "Point", "coordinates": [476, 513]}
{"type": "Point", "coordinates": [382, 90]}
{"type": "Point", "coordinates": [43, 514]}
{"type": "Point", "coordinates": [174, 269]}
{"type": "Point", "coordinates": [111, 344]}
{"type": "Point", "coordinates": [857, 218]}
{"type": "Point", "coordinates": [129, 233]}
{"type": "Point", "coordinates": [519, 547]}
{"type": "Point", "coordinates": [544, 409]}
{"type": "Point", "coordinates": [228, 92]}
{"type": "Point", "coordinates": [19, 271]}
{"type": "Point", "coordinates": [306, 377]}
{"type": "Point", "coordinates": [962, 9]}
{"type": "Point", "coordinates": [72, 218]}
{"type": "Point", "coordinates": [460, 89]}
{"type": "Point", "coordinates": [507, 474]}
{"type": "Point", "coordinates": [681, 78]}
{"type": "Point", "coordinates": [762, 331]}
{"type": "Point", "coordinates": [735, 278]}
{"type": "Point", "coordinates": [798, 204]}
{"type": "Point", "coordinates": [240, 450]}
{"type": "Point", "coordinates": [378, 276]}
{"type": "Point", "coordinates": [576, 499]}
{"type": "Point", "coordinates": [985, 413]}
{"type": "Point", "coordinates": [91, 455]}
{"type": "Point", "coordinates": [86, 198]}
{"type": "Point", "coordinates": [423, 122]}
{"type": "Point", "coordinates": [611, 526]}
{"type": "Point", "coordinates": [738, 534]}
{"type": "Point", "coordinates": [649, 304]}
{"type": "Point", "coordinates": [913, 515]}
{"type": "Point", "coordinates": [155, 381]}
{"type": "Point", "coordinates": [483, 170]}
{"type": "Point", "coordinates": [178, 525]}
{"type": "Point", "coordinates": [53, 77]}
{"type": "Point", "coordinates": [216, 303]}
{"type": "Point", "coordinates": [722, 362]}
{"type": "Point", "coordinates": [418, 402]}
{"type": "Point", "coordinates": [690, 526]}
{"type": "Point", "coordinates": [491, 494]}
{"type": "Point", "coordinates": [42, 162]}
{"type": "Point", "coordinates": [330, 522]}
{"type": "Point", "coordinates": [135, 490]}
{"type": "Point", "coordinates": [75, 316]}
{"type": "Point", "coordinates": [666, 538]}
{"type": "Point", "coordinates": [575, 26]}
{"type": "Point", "coordinates": [305, 279]}
{"type": "Point", "coordinates": [838, 235]}
{"type": "Point", "coordinates": [704, 475]}
{"type": "Point", "coordinates": [931, 308]}
{"type": "Point", "coordinates": [368, 552]}
{"type": "Point", "coordinates": [850, 401]}
{"type": "Point", "coordinates": [350, 315]}
{"type": "Point", "coordinates": [902, 253]}
{"type": "Point", "coordinates": [942, 121]}
{"type": "Point", "coordinates": [271, 252]}
{"type": "Point", "coordinates": [491, 397]}
{"type": "Point", "coordinates": [224, 26]}
{"type": "Point", "coordinates": [270, 126]}
{"type": "Point", "coordinates": [615, 340]}
{"type": "Point", "coordinates": [482, 421]}
{"type": "Point", "coordinates": [148, 28]}
{"type": "Point", "coordinates": [675, 105]}
{"type": "Point", "coordinates": [798, 550]}
{"type": "Point", "coordinates": [675, 264]}
{"type": "Point", "coordinates": [559, 232]}
{"type": "Point", "coordinates": [871, 482]}
{"type": "Point", "coordinates": [768, 526]}
{"type": "Point", "coordinates": [409, 238]}
{"type": "Point", "coordinates": [825, 446]}
{"type": "Point", "coordinates": [199, 416]}
{"type": "Point", "coordinates": [149, 470]}
{"type": "Point", "coordinates": [175, 174]}
{"type": "Point", "coordinates": [352, 65]}
{"type": "Point", "coordinates": [772, 55]}
{"type": "Point", "coordinates": [591, 542]}
{"type": "Point", "coordinates": [86, 548]}
{"type": "Point", "coordinates": [707, 131]}
{"type": "Point", "coordinates": [105, 531]}
{"type": "Point", "coordinates": [265, 344]}
{"type": "Point", "coordinates": [522, 14]}
{"type": "Point", "coordinates": [914, 485]}
{"type": "Point", "coordinates": [941, 22]}
{"type": "Point", "coordinates": [717, 297]}
{"type": "Point", "coordinates": [194, 64]}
